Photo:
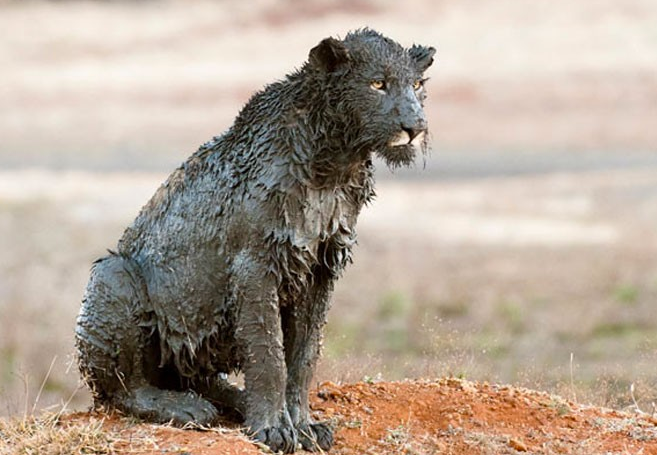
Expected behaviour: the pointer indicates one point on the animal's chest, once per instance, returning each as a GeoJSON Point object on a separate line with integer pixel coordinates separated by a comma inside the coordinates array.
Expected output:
{"type": "Point", "coordinates": [323, 219]}
{"type": "Point", "coordinates": [320, 216]}
{"type": "Point", "coordinates": [318, 231]}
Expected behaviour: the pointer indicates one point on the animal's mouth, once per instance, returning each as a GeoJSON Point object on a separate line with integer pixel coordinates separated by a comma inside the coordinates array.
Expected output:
{"type": "Point", "coordinates": [402, 149]}
{"type": "Point", "coordinates": [404, 138]}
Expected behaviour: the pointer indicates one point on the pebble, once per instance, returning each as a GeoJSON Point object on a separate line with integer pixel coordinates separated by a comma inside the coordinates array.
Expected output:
{"type": "Point", "coordinates": [518, 445]}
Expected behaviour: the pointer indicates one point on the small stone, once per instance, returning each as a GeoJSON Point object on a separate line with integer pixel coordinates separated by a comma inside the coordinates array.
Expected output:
{"type": "Point", "coordinates": [518, 445]}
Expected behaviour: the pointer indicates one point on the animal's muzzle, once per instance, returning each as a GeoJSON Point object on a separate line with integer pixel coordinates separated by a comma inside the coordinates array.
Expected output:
{"type": "Point", "coordinates": [412, 123]}
{"type": "Point", "coordinates": [410, 134]}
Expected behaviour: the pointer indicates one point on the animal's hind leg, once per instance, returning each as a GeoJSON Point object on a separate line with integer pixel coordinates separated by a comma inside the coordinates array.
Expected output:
{"type": "Point", "coordinates": [108, 336]}
{"type": "Point", "coordinates": [112, 332]}
{"type": "Point", "coordinates": [179, 408]}
{"type": "Point", "coordinates": [228, 398]}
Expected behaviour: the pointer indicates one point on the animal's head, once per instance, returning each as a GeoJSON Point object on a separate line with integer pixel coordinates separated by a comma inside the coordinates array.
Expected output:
{"type": "Point", "coordinates": [376, 89]}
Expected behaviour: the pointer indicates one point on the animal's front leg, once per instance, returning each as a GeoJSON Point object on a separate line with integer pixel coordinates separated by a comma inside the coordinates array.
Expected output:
{"type": "Point", "coordinates": [260, 340]}
{"type": "Point", "coordinates": [303, 324]}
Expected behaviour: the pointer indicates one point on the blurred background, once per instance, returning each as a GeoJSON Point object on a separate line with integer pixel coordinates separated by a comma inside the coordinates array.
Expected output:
{"type": "Point", "coordinates": [523, 250]}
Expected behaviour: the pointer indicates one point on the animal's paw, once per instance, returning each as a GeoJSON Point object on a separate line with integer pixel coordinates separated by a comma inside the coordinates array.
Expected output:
{"type": "Point", "coordinates": [179, 408]}
{"type": "Point", "coordinates": [315, 437]}
{"type": "Point", "coordinates": [192, 409]}
{"type": "Point", "coordinates": [278, 439]}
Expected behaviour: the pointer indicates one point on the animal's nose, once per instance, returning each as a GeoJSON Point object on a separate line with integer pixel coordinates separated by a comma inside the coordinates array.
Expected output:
{"type": "Point", "coordinates": [414, 131]}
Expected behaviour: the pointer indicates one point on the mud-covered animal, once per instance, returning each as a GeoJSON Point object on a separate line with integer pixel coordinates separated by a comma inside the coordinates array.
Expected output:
{"type": "Point", "coordinates": [231, 265]}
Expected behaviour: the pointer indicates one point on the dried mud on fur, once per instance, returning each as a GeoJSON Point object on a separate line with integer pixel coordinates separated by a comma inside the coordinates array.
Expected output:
{"type": "Point", "coordinates": [446, 416]}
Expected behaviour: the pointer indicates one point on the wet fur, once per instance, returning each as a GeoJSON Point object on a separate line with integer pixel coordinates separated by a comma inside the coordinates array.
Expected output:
{"type": "Point", "coordinates": [231, 265]}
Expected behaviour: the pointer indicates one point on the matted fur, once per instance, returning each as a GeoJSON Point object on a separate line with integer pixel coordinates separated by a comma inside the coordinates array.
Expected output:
{"type": "Point", "coordinates": [231, 264]}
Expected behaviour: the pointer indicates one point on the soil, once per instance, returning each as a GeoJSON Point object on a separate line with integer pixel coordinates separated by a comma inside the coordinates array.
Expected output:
{"type": "Point", "coordinates": [446, 416]}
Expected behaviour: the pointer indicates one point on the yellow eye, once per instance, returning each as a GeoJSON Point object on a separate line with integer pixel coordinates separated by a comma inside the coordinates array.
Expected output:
{"type": "Point", "coordinates": [417, 85]}
{"type": "Point", "coordinates": [378, 85]}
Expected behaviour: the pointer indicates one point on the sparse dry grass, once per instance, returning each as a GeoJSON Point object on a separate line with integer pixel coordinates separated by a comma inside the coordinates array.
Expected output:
{"type": "Point", "coordinates": [44, 435]}
{"type": "Point", "coordinates": [103, 433]}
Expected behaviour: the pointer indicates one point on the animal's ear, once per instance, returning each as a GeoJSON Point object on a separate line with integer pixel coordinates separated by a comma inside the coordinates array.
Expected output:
{"type": "Point", "coordinates": [329, 55]}
{"type": "Point", "coordinates": [422, 56]}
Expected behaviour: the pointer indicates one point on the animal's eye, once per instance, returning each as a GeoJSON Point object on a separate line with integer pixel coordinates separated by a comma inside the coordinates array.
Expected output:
{"type": "Point", "coordinates": [417, 85]}
{"type": "Point", "coordinates": [378, 85]}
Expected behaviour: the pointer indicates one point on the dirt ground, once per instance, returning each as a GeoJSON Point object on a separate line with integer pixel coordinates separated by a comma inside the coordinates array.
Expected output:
{"type": "Point", "coordinates": [447, 416]}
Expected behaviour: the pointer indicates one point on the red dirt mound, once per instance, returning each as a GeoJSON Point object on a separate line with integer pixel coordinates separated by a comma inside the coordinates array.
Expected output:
{"type": "Point", "coordinates": [447, 416]}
